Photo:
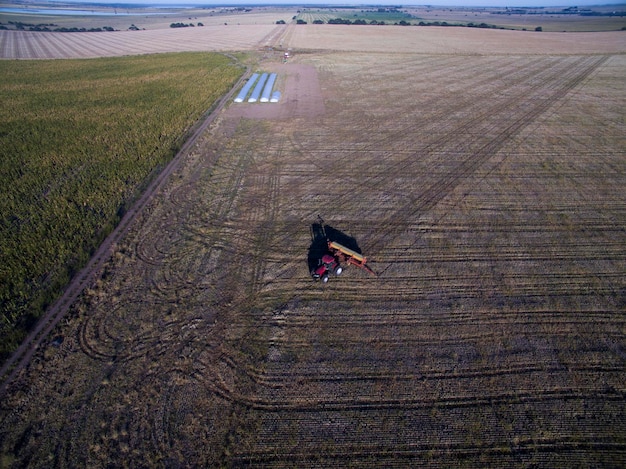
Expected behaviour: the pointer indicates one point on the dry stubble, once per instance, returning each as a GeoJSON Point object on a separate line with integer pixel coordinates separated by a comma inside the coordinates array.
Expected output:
{"type": "Point", "coordinates": [487, 192]}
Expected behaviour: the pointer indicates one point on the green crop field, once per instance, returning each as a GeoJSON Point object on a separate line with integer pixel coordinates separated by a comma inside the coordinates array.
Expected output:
{"type": "Point", "coordinates": [380, 16]}
{"type": "Point", "coordinates": [603, 18]}
{"type": "Point", "coordinates": [80, 138]}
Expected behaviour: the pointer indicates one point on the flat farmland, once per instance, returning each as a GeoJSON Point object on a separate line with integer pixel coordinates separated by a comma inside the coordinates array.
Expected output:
{"type": "Point", "coordinates": [450, 40]}
{"type": "Point", "coordinates": [487, 192]}
{"type": "Point", "coordinates": [345, 38]}
{"type": "Point", "coordinates": [38, 45]}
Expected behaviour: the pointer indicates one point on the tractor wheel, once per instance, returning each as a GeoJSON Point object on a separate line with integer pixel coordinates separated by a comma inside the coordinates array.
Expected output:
{"type": "Point", "coordinates": [325, 278]}
{"type": "Point", "coordinates": [338, 270]}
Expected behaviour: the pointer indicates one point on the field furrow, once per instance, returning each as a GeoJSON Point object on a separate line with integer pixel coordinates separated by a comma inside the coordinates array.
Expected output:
{"type": "Point", "coordinates": [19, 44]}
{"type": "Point", "coordinates": [339, 350]}
{"type": "Point", "coordinates": [485, 190]}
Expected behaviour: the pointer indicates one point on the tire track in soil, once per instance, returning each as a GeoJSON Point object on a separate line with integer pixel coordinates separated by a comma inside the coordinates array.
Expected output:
{"type": "Point", "coordinates": [473, 398]}
{"type": "Point", "coordinates": [334, 168]}
{"type": "Point", "coordinates": [242, 277]}
{"type": "Point", "coordinates": [567, 81]}
{"type": "Point", "coordinates": [418, 452]}
{"type": "Point", "coordinates": [526, 112]}
{"type": "Point", "coordinates": [525, 100]}
{"type": "Point", "coordinates": [339, 425]}
{"type": "Point", "coordinates": [467, 102]}
{"type": "Point", "coordinates": [273, 39]}
{"type": "Point", "coordinates": [236, 240]}
{"type": "Point", "coordinates": [504, 120]}
{"type": "Point", "coordinates": [205, 221]}
{"type": "Point", "coordinates": [381, 180]}
{"type": "Point", "coordinates": [512, 119]}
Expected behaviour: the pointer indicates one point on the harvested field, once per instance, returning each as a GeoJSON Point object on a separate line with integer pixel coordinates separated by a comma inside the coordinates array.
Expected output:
{"type": "Point", "coordinates": [447, 40]}
{"type": "Point", "coordinates": [38, 45]}
{"type": "Point", "coordinates": [388, 39]}
{"type": "Point", "coordinates": [487, 192]}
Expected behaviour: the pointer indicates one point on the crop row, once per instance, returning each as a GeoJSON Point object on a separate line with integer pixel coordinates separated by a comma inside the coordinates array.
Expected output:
{"type": "Point", "coordinates": [37, 45]}
{"type": "Point", "coordinates": [87, 136]}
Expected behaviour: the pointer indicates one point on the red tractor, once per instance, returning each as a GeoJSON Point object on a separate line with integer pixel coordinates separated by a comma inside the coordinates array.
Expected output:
{"type": "Point", "coordinates": [327, 264]}
{"type": "Point", "coordinates": [331, 262]}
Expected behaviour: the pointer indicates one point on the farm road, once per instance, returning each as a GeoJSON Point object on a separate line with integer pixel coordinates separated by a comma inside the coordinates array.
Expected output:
{"type": "Point", "coordinates": [486, 191]}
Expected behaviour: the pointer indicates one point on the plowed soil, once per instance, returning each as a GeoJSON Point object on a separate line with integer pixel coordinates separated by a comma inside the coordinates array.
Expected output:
{"type": "Point", "coordinates": [486, 192]}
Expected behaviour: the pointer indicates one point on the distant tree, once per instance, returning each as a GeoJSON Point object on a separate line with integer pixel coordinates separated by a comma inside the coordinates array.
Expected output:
{"type": "Point", "coordinates": [339, 21]}
{"type": "Point", "coordinates": [281, 22]}
{"type": "Point", "coordinates": [538, 29]}
{"type": "Point", "coordinates": [301, 22]}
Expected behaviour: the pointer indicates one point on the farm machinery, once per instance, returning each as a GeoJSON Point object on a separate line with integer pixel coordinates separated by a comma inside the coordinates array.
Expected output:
{"type": "Point", "coordinates": [335, 257]}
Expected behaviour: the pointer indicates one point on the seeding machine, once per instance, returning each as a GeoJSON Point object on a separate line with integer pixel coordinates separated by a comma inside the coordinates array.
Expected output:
{"type": "Point", "coordinates": [334, 260]}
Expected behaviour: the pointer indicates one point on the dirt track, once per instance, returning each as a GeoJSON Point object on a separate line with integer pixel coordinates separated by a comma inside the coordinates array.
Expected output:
{"type": "Point", "coordinates": [488, 193]}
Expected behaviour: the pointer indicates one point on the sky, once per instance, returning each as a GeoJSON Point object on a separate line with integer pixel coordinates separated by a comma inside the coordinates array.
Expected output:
{"type": "Point", "coordinates": [465, 3]}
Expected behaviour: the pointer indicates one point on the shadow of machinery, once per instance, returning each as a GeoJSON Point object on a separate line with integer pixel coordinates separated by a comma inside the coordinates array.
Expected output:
{"type": "Point", "coordinates": [321, 233]}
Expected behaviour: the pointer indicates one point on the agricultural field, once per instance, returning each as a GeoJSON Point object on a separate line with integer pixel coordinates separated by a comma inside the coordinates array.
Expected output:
{"type": "Point", "coordinates": [304, 38]}
{"type": "Point", "coordinates": [605, 18]}
{"type": "Point", "coordinates": [122, 19]}
{"type": "Point", "coordinates": [368, 15]}
{"type": "Point", "coordinates": [484, 182]}
{"type": "Point", "coordinates": [38, 45]}
{"type": "Point", "coordinates": [448, 41]}
{"type": "Point", "coordinates": [549, 19]}
{"type": "Point", "coordinates": [80, 139]}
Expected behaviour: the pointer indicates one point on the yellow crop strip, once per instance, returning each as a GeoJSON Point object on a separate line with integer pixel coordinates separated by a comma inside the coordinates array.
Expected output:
{"type": "Point", "coordinates": [79, 138]}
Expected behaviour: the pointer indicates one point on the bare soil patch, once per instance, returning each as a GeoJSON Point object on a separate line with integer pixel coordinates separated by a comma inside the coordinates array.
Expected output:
{"type": "Point", "coordinates": [487, 190]}
{"type": "Point", "coordinates": [301, 95]}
